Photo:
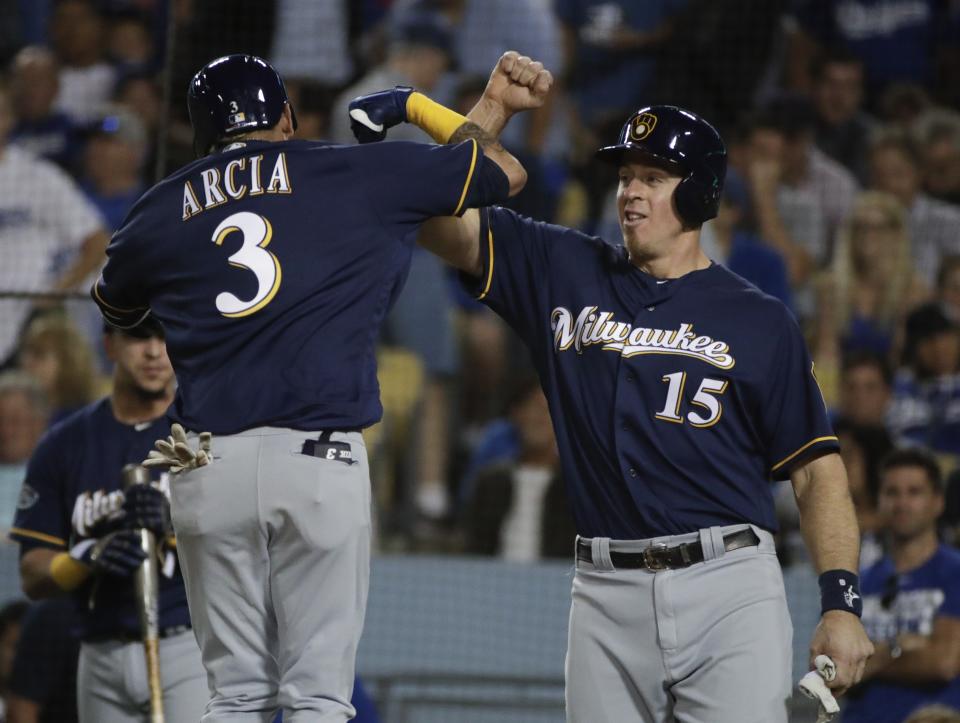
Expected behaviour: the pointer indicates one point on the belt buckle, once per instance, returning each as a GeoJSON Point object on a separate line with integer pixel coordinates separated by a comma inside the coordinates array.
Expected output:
{"type": "Point", "coordinates": [651, 558]}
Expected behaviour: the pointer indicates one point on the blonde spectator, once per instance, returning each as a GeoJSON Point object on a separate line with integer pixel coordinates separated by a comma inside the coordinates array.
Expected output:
{"type": "Point", "coordinates": [863, 296]}
{"type": "Point", "coordinates": [896, 167]}
{"type": "Point", "coordinates": [59, 358]}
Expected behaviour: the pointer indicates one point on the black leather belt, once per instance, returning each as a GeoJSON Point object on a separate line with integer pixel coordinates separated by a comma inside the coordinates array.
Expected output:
{"type": "Point", "coordinates": [661, 557]}
{"type": "Point", "coordinates": [128, 636]}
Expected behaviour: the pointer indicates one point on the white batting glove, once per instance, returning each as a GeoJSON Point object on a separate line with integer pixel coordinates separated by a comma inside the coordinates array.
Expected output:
{"type": "Point", "coordinates": [813, 686]}
{"type": "Point", "coordinates": [175, 452]}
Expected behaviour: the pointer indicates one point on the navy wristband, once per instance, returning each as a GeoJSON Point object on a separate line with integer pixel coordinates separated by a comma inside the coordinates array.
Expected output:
{"type": "Point", "coordinates": [840, 590]}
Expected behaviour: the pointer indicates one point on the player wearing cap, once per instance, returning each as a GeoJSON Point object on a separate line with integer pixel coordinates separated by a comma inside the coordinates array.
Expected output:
{"type": "Point", "coordinates": [76, 530]}
{"type": "Point", "coordinates": [677, 391]}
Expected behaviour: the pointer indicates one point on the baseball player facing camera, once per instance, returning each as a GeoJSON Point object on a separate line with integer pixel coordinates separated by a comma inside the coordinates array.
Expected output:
{"type": "Point", "coordinates": [271, 263]}
{"type": "Point", "coordinates": [677, 392]}
{"type": "Point", "coordinates": [79, 534]}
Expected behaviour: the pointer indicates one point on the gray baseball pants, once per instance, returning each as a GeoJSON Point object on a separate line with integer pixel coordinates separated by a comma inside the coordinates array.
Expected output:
{"type": "Point", "coordinates": [274, 546]}
{"type": "Point", "coordinates": [112, 681]}
{"type": "Point", "coordinates": [709, 643]}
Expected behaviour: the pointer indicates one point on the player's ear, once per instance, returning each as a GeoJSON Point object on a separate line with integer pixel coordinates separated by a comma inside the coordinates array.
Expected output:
{"type": "Point", "coordinates": [286, 124]}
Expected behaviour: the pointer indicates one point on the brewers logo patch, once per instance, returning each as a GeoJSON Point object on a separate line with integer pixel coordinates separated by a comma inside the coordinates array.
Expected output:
{"type": "Point", "coordinates": [642, 126]}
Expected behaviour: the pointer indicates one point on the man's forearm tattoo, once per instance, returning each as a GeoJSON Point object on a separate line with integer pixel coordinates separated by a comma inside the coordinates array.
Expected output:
{"type": "Point", "coordinates": [471, 130]}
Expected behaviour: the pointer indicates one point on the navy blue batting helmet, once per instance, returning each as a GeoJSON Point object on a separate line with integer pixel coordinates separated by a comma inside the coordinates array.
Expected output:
{"type": "Point", "coordinates": [682, 140]}
{"type": "Point", "coordinates": [232, 95]}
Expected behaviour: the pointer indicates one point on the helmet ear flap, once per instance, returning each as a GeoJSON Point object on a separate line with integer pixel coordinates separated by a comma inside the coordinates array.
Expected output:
{"type": "Point", "coordinates": [696, 201]}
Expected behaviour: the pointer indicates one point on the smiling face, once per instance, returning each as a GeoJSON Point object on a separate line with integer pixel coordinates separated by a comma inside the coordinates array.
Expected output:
{"type": "Point", "coordinates": [648, 217]}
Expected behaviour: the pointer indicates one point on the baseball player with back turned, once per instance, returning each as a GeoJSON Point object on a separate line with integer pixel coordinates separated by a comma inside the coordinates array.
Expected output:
{"type": "Point", "coordinates": [677, 392]}
{"type": "Point", "coordinates": [76, 530]}
{"type": "Point", "coordinates": [270, 263]}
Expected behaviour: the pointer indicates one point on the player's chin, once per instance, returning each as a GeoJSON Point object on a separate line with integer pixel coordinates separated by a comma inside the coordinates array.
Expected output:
{"type": "Point", "coordinates": [152, 386]}
{"type": "Point", "coordinates": [637, 243]}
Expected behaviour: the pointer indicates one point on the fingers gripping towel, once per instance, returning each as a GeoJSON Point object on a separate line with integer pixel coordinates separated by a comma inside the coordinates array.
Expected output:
{"type": "Point", "coordinates": [814, 686]}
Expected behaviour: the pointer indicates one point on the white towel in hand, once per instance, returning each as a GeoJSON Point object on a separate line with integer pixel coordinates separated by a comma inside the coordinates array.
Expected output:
{"type": "Point", "coordinates": [813, 686]}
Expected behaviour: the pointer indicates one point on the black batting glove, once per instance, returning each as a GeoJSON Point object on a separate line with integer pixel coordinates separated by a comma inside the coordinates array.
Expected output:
{"type": "Point", "coordinates": [107, 523]}
{"type": "Point", "coordinates": [118, 553]}
{"type": "Point", "coordinates": [146, 507]}
{"type": "Point", "coordinates": [372, 115]}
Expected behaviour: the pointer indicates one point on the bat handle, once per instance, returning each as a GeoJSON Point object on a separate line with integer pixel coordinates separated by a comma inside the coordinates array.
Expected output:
{"type": "Point", "coordinates": [135, 474]}
{"type": "Point", "coordinates": [151, 648]}
{"type": "Point", "coordinates": [146, 587]}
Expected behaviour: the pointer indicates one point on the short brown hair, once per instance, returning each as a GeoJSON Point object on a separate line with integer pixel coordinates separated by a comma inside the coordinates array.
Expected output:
{"type": "Point", "coordinates": [914, 457]}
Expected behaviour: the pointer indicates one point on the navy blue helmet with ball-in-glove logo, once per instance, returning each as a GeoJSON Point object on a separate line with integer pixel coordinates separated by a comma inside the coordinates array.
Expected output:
{"type": "Point", "coordinates": [684, 141]}
{"type": "Point", "coordinates": [232, 95]}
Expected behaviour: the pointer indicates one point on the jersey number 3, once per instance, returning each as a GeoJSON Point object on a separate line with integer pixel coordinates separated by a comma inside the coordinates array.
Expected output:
{"type": "Point", "coordinates": [252, 256]}
{"type": "Point", "coordinates": [706, 397]}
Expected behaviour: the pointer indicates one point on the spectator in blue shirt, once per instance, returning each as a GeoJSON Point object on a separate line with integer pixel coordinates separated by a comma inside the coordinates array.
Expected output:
{"type": "Point", "coordinates": [743, 253]}
{"type": "Point", "coordinates": [899, 41]}
{"type": "Point", "coordinates": [911, 599]}
{"type": "Point", "coordinates": [926, 393]}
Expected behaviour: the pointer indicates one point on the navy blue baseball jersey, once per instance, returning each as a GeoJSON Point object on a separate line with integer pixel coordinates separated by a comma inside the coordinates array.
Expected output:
{"type": "Point", "coordinates": [674, 402]}
{"type": "Point", "coordinates": [288, 252]}
{"type": "Point", "coordinates": [908, 602]}
{"type": "Point", "coordinates": [74, 480]}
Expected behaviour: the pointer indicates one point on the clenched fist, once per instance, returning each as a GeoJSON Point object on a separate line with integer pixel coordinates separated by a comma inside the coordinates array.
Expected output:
{"type": "Point", "coordinates": [518, 83]}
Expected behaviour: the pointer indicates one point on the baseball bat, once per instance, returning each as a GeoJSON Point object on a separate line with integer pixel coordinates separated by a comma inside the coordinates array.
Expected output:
{"type": "Point", "coordinates": [145, 586]}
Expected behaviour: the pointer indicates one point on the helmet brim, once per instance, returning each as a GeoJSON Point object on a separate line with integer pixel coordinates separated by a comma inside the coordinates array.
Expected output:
{"type": "Point", "coordinates": [615, 155]}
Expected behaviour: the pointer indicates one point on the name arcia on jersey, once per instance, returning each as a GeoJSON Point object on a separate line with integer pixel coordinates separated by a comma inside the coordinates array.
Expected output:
{"type": "Point", "coordinates": [593, 327]}
{"type": "Point", "coordinates": [233, 181]}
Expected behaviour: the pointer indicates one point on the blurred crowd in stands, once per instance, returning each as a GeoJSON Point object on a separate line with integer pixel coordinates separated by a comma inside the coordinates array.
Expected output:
{"type": "Point", "coordinates": [841, 200]}
{"type": "Point", "coordinates": [842, 120]}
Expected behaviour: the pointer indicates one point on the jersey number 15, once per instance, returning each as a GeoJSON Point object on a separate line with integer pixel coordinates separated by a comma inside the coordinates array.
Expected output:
{"type": "Point", "coordinates": [706, 397]}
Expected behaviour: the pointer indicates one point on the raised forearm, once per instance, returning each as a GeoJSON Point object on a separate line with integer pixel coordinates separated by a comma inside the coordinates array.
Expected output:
{"type": "Point", "coordinates": [772, 229]}
{"type": "Point", "coordinates": [89, 259]}
{"type": "Point", "coordinates": [512, 168]}
{"type": "Point", "coordinates": [490, 116]}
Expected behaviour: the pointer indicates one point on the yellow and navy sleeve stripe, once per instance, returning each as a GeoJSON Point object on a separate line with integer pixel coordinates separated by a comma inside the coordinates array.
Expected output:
{"type": "Point", "coordinates": [804, 448]}
{"type": "Point", "coordinates": [466, 184]}
{"type": "Point", "coordinates": [489, 280]}
{"type": "Point", "coordinates": [104, 304]}
{"type": "Point", "coordinates": [119, 317]}
{"type": "Point", "coordinates": [17, 533]}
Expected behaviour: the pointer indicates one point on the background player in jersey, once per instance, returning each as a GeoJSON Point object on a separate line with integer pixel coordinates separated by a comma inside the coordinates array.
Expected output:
{"type": "Point", "coordinates": [677, 391]}
{"type": "Point", "coordinates": [271, 263]}
{"type": "Point", "coordinates": [76, 532]}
